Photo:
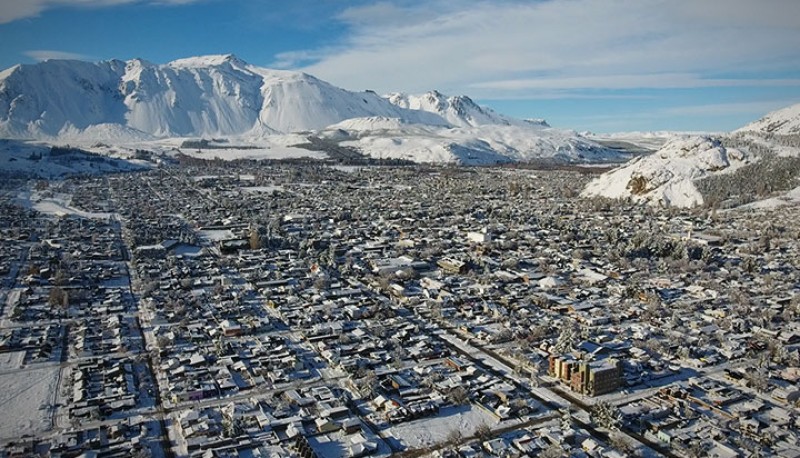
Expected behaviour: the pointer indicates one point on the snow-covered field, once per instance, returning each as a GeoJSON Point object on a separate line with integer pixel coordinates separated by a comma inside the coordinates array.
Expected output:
{"type": "Point", "coordinates": [429, 431]}
{"type": "Point", "coordinates": [261, 153]}
{"type": "Point", "coordinates": [647, 140]}
{"type": "Point", "coordinates": [55, 204]}
{"type": "Point", "coordinates": [384, 138]}
{"type": "Point", "coordinates": [214, 235]}
{"type": "Point", "coordinates": [25, 399]}
{"type": "Point", "coordinates": [21, 158]}
{"type": "Point", "coordinates": [11, 360]}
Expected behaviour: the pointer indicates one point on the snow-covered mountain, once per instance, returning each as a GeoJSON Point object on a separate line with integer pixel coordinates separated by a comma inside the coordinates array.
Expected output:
{"type": "Point", "coordinates": [387, 138]}
{"type": "Point", "coordinates": [785, 121]}
{"type": "Point", "coordinates": [37, 160]}
{"type": "Point", "coordinates": [459, 111]}
{"type": "Point", "coordinates": [652, 141]}
{"type": "Point", "coordinates": [667, 177]}
{"type": "Point", "coordinates": [221, 96]}
{"type": "Point", "coordinates": [201, 96]}
{"type": "Point", "coordinates": [670, 175]}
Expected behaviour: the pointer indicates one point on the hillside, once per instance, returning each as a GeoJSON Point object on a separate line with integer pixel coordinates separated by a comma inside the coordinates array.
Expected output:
{"type": "Point", "coordinates": [458, 111]}
{"type": "Point", "coordinates": [203, 96]}
{"type": "Point", "coordinates": [34, 160]}
{"type": "Point", "coordinates": [758, 161]}
{"type": "Point", "coordinates": [785, 121]}
{"type": "Point", "coordinates": [222, 97]}
{"type": "Point", "coordinates": [385, 138]}
{"type": "Point", "coordinates": [667, 177]}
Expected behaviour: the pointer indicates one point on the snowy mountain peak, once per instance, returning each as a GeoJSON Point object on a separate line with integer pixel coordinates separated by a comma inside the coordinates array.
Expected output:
{"type": "Point", "coordinates": [538, 122]}
{"type": "Point", "coordinates": [785, 121]}
{"type": "Point", "coordinates": [459, 111]}
{"type": "Point", "coordinates": [7, 72]}
{"type": "Point", "coordinates": [215, 95]}
{"type": "Point", "coordinates": [223, 96]}
{"type": "Point", "coordinates": [212, 60]}
{"type": "Point", "coordinates": [138, 62]}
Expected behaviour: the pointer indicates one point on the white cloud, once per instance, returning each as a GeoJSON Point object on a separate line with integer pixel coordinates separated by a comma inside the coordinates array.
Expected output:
{"type": "Point", "coordinates": [12, 10]}
{"type": "Point", "coordinates": [45, 54]}
{"type": "Point", "coordinates": [744, 112]}
{"type": "Point", "coordinates": [635, 81]}
{"type": "Point", "coordinates": [520, 48]}
{"type": "Point", "coordinates": [754, 109]}
{"type": "Point", "coordinates": [291, 59]}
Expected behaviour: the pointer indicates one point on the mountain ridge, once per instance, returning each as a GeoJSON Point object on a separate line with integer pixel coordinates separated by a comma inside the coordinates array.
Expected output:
{"type": "Point", "coordinates": [785, 121]}
{"type": "Point", "coordinates": [206, 95]}
{"type": "Point", "coordinates": [670, 176]}
{"type": "Point", "coordinates": [459, 110]}
{"type": "Point", "coordinates": [218, 96]}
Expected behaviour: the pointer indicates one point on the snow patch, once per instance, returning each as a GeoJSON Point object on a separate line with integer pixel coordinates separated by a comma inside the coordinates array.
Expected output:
{"type": "Point", "coordinates": [55, 204]}
{"type": "Point", "coordinates": [434, 430]}
{"type": "Point", "coordinates": [26, 398]}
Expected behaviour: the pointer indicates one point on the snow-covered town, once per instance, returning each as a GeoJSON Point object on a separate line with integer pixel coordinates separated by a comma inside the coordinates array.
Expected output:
{"type": "Point", "coordinates": [399, 228]}
{"type": "Point", "coordinates": [249, 309]}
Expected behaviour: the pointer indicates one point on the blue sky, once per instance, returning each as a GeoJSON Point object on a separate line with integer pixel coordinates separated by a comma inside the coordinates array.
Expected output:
{"type": "Point", "coordinates": [600, 65]}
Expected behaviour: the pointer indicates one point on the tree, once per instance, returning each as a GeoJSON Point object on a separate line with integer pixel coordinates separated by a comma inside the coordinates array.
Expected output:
{"type": "Point", "coordinates": [231, 427]}
{"type": "Point", "coordinates": [454, 436]}
{"type": "Point", "coordinates": [553, 451]}
{"type": "Point", "coordinates": [758, 380]}
{"type": "Point", "coordinates": [483, 432]}
{"type": "Point", "coordinates": [620, 442]}
{"type": "Point", "coordinates": [458, 396]}
{"type": "Point", "coordinates": [606, 416]}
{"type": "Point", "coordinates": [567, 339]}
{"type": "Point", "coordinates": [255, 239]}
{"type": "Point", "coordinates": [367, 385]}
{"type": "Point", "coordinates": [58, 297]}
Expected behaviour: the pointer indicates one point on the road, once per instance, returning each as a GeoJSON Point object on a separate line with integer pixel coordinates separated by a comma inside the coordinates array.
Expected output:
{"type": "Point", "coordinates": [501, 367]}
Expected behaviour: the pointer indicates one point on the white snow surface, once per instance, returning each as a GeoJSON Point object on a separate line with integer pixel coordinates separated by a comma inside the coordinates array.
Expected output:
{"type": "Point", "coordinates": [668, 175]}
{"type": "Point", "coordinates": [652, 140]}
{"type": "Point", "coordinates": [55, 204]}
{"type": "Point", "coordinates": [135, 104]}
{"type": "Point", "coordinates": [458, 111]}
{"type": "Point", "coordinates": [18, 158]}
{"type": "Point", "coordinates": [785, 121]}
{"type": "Point", "coordinates": [790, 199]}
{"type": "Point", "coordinates": [434, 430]}
{"type": "Point", "coordinates": [201, 96]}
{"type": "Point", "coordinates": [26, 398]}
{"type": "Point", "coordinates": [392, 138]}
{"type": "Point", "coordinates": [105, 132]}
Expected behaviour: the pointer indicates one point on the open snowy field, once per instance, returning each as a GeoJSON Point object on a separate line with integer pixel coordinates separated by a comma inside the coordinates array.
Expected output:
{"type": "Point", "coordinates": [215, 235]}
{"type": "Point", "coordinates": [430, 431]}
{"type": "Point", "coordinates": [25, 400]}
{"type": "Point", "coordinates": [262, 189]}
{"type": "Point", "coordinates": [11, 360]}
{"type": "Point", "coordinates": [56, 204]}
{"type": "Point", "coordinates": [261, 153]}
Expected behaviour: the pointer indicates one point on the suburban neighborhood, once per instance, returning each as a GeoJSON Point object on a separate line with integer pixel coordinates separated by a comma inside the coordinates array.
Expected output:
{"type": "Point", "coordinates": [308, 310]}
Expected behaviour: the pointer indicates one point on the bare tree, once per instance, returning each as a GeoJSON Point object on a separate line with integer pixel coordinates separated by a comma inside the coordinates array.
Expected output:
{"type": "Point", "coordinates": [483, 432]}
{"type": "Point", "coordinates": [606, 416]}
{"type": "Point", "coordinates": [454, 436]}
